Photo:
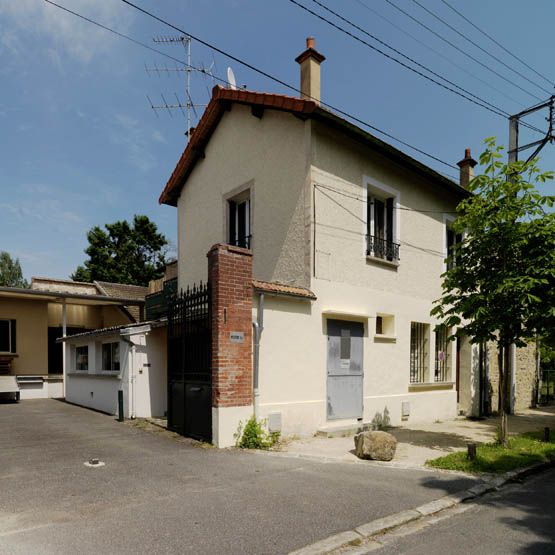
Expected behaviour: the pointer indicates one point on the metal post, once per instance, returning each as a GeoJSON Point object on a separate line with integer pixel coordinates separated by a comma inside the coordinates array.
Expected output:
{"type": "Point", "coordinates": [120, 405]}
{"type": "Point", "coordinates": [64, 345]}
{"type": "Point", "coordinates": [513, 139]}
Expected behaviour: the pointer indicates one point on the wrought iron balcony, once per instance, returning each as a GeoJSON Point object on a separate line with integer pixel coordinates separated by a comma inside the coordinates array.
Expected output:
{"type": "Point", "coordinates": [382, 248]}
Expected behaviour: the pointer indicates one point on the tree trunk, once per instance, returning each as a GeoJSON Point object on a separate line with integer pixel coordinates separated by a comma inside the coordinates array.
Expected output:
{"type": "Point", "coordinates": [504, 392]}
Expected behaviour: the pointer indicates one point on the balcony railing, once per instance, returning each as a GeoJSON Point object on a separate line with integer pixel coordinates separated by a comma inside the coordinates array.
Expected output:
{"type": "Point", "coordinates": [382, 248]}
{"type": "Point", "coordinates": [156, 304]}
{"type": "Point", "coordinates": [243, 242]}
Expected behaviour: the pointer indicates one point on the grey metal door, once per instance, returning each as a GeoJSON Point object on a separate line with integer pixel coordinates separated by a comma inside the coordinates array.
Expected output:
{"type": "Point", "coordinates": [345, 372]}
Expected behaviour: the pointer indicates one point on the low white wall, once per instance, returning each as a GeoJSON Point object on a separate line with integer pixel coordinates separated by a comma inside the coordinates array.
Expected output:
{"type": "Point", "coordinates": [99, 392]}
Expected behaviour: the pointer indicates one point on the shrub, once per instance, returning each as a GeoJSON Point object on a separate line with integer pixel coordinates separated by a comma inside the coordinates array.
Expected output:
{"type": "Point", "coordinates": [254, 436]}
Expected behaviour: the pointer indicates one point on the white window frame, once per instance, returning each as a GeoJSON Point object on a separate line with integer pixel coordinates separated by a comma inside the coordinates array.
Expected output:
{"type": "Point", "coordinates": [373, 187]}
{"type": "Point", "coordinates": [110, 370]}
{"type": "Point", "coordinates": [9, 351]}
{"type": "Point", "coordinates": [239, 194]}
{"type": "Point", "coordinates": [85, 371]}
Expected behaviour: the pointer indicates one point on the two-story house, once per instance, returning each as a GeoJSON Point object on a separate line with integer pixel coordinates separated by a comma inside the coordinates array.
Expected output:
{"type": "Point", "coordinates": [349, 237]}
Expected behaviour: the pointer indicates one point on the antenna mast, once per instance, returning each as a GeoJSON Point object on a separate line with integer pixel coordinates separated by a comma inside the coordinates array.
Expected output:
{"type": "Point", "coordinates": [188, 105]}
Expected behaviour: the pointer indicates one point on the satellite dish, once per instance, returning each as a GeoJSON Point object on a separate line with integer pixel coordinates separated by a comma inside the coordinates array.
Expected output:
{"type": "Point", "coordinates": [231, 79]}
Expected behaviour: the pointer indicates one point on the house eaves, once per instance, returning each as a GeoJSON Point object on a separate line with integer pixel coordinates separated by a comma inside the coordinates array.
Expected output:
{"type": "Point", "coordinates": [221, 101]}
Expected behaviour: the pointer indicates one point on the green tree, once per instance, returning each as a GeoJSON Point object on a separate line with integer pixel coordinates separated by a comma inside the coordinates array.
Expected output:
{"type": "Point", "coordinates": [10, 272]}
{"type": "Point", "coordinates": [501, 287]}
{"type": "Point", "coordinates": [124, 252]}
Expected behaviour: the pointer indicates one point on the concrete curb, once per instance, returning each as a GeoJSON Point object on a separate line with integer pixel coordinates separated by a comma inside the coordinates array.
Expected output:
{"type": "Point", "coordinates": [367, 532]}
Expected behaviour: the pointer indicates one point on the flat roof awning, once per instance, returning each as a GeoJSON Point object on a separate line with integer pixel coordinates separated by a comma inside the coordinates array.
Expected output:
{"type": "Point", "coordinates": [68, 298]}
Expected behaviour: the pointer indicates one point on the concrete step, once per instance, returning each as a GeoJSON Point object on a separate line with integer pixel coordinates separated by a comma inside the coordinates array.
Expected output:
{"type": "Point", "coordinates": [343, 429]}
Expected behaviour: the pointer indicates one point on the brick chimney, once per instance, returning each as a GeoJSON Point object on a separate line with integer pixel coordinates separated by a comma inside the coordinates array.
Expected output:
{"type": "Point", "coordinates": [466, 166]}
{"type": "Point", "coordinates": [310, 61]}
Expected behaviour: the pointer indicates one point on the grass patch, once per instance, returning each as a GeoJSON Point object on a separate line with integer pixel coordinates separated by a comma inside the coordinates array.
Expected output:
{"type": "Point", "coordinates": [523, 450]}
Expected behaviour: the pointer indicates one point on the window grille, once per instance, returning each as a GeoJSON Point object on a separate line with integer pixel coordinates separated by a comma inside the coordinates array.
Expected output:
{"type": "Point", "coordinates": [441, 373]}
{"type": "Point", "coordinates": [418, 352]}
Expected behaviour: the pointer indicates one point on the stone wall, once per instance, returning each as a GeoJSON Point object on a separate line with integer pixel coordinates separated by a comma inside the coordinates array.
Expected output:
{"type": "Point", "coordinates": [525, 377]}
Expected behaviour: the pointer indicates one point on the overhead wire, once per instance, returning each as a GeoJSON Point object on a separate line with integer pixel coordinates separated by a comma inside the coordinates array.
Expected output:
{"type": "Point", "coordinates": [224, 81]}
{"type": "Point", "coordinates": [482, 103]}
{"type": "Point", "coordinates": [498, 60]}
{"type": "Point", "coordinates": [476, 60]}
{"type": "Point", "coordinates": [285, 84]}
{"type": "Point", "coordinates": [438, 53]}
{"type": "Point", "coordinates": [498, 43]}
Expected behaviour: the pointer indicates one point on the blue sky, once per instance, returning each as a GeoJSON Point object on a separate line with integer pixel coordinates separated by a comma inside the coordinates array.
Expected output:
{"type": "Point", "coordinates": [80, 145]}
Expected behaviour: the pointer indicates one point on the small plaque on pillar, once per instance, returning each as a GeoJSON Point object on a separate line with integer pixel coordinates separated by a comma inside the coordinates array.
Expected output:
{"type": "Point", "coordinates": [237, 336]}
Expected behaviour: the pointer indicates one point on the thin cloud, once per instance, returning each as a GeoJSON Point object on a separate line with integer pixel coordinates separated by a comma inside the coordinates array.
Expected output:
{"type": "Point", "coordinates": [69, 35]}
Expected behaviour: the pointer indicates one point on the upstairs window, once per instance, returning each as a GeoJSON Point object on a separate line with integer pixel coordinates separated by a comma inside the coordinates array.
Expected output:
{"type": "Point", "coordinates": [239, 219]}
{"type": "Point", "coordinates": [451, 239]}
{"type": "Point", "coordinates": [7, 336]}
{"type": "Point", "coordinates": [381, 228]}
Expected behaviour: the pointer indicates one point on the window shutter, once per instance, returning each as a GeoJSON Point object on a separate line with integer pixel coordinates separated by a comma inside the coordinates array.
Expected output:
{"type": "Point", "coordinates": [232, 228]}
{"type": "Point", "coordinates": [14, 344]}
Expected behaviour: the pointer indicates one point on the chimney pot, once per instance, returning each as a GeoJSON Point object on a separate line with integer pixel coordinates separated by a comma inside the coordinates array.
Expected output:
{"type": "Point", "coordinates": [467, 153]}
{"type": "Point", "coordinates": [310, 42]}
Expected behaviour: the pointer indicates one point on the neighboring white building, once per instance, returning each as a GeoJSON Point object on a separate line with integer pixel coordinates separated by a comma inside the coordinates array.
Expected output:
{"type": "Point", "coordinates": [130, 358]}
{"type": "Point", "coordinates": [325, 206]}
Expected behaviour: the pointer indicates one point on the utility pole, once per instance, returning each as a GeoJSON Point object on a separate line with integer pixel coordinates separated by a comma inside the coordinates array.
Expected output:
{"type": "Point", "coordinates": [514, 149]}
{"type": "Point", "coordinates": [514, 127]}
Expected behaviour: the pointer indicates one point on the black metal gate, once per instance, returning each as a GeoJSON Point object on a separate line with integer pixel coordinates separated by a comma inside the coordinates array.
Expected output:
{"type": "Point", "coordinates": [189, 363]}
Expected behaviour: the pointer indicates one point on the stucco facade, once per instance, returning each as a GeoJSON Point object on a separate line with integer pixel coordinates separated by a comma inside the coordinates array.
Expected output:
{"type": "Point", "coordinates": [308, 189]}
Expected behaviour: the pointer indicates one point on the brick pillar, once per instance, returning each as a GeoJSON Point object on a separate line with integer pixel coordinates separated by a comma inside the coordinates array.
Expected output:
{"type": "Point", "coordinates": [230, 277]}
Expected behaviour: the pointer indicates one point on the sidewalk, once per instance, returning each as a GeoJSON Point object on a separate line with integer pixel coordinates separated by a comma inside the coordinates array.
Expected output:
{"type": "Point", "coordinates": [419, 442]}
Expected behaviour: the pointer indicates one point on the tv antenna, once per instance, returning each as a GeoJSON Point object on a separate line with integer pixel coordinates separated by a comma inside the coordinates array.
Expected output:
{"type": "Point", "coordinates": [187, 105]}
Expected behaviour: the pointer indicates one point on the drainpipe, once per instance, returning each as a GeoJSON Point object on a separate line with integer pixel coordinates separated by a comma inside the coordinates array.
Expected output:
{"type": "Point", "coordinates": [258, 327]}
{"type": "Point", "coordinates": [64, 345]}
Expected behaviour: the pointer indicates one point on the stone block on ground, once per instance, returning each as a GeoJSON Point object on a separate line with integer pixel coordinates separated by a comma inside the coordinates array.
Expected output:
{"type": "Point", "coordinates": [375, 445]}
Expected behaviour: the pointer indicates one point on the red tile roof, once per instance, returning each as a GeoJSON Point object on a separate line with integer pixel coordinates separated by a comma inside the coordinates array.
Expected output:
{"type": "Point", "coordinates": [223, 98]}
{"type": "Point", "coordinates": [219, 103]}
{"type": "Point", "coordinates": [276, 288]}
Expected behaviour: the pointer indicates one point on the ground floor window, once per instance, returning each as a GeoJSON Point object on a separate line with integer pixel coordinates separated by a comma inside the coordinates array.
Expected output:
{"type": "Point", "coordinates": [442, 359]}
{"type": "Point", "coordinates": [82, 358]}
{"type": "Point", "coordinates": [110, 357]}
{"type": "Point", "coordinates": [7, 336]}
{"type": "Point", "coordinates": [418, 352]}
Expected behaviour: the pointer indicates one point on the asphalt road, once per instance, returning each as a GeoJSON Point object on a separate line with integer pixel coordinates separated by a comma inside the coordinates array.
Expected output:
{"type": "Point", "coordinates": [517, 520]}
{"type": "Point", "coordinates": [159, 495]}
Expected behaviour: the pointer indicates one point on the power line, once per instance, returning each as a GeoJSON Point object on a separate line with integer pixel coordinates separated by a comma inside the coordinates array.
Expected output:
{"type": "Point", "coordinates": [396, 51]}
{"type": "Point", "coordinates": [284, 84]}
{"type": "Point", "coordinates": [498, 43]}
{"type": "Point", "coordinates": [498, 60]}
{"type": "Point", "coordinates": [495, 110]}
{"type": "Point", "coordinates": [438, 53]}
{"type": "Point", "coordinates": [416, 20]}
{"type": "Point", "coordinates": [137, 42]}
